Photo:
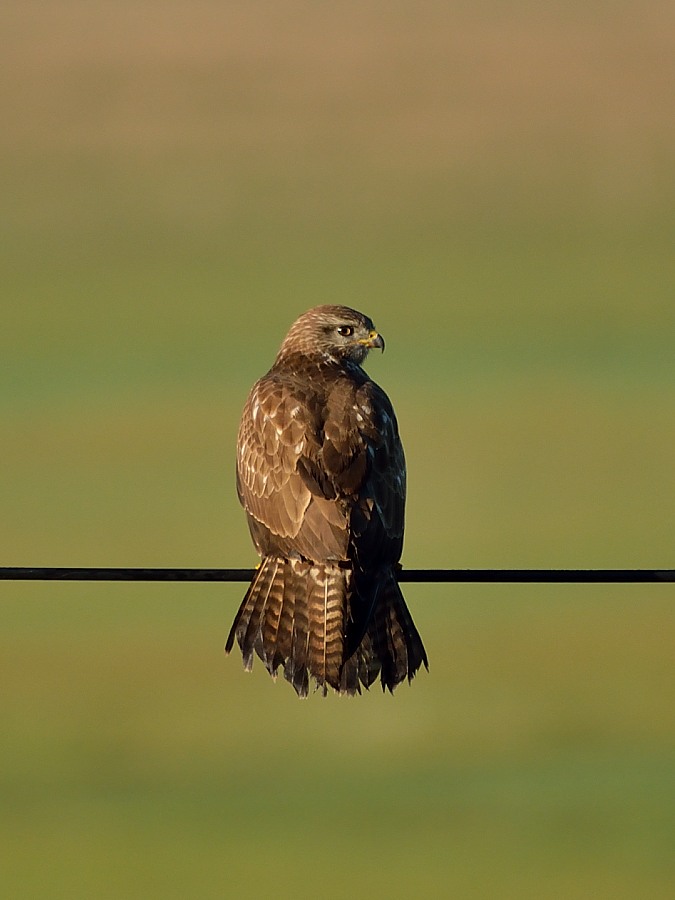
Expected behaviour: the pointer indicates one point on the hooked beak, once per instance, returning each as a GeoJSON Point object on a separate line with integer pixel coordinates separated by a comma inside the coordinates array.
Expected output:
{"type": "Point", "coordinates": [374, 340]}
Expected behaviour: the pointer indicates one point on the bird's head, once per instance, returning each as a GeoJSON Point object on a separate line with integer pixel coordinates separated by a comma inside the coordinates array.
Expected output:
{"type": "Point", "coordinates": [335, 333]}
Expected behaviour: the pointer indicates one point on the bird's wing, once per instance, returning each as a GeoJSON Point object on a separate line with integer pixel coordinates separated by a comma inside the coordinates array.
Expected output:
{"type": "Point", "coordinates": [281, 482]}
{"type": "Point", "coordinates": [378, 518]}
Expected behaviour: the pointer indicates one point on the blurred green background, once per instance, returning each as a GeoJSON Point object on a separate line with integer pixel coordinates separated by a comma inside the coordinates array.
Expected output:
{"type": "Point", "coordinates": [494, 185]}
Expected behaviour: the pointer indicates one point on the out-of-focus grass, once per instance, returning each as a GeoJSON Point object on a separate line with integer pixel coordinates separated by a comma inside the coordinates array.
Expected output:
{"type": "Point", "coordinates": [533, 760]}
{"type": "Point", "coordinates": [495, 188]}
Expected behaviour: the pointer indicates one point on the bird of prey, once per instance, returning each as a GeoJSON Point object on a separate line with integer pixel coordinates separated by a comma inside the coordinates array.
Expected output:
{"type": "Point", "coordinates": [321, 474]}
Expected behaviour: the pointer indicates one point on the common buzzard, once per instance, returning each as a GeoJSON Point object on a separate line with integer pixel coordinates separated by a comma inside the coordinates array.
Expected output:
{"type": "Point", "coordinates": [321, 475]}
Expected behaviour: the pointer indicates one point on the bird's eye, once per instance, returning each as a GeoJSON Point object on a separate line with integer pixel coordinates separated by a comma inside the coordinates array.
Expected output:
{"type": "Point", "coordinates": [345, 330]}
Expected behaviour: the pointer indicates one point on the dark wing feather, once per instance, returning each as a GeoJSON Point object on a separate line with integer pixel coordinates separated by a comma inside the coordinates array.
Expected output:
{"type": "Point", "coordinates": [378, 517]}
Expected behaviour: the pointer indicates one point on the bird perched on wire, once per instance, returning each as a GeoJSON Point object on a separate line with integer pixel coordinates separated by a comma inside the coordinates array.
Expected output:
{"type": "Point", "coordinates": [321, 474]}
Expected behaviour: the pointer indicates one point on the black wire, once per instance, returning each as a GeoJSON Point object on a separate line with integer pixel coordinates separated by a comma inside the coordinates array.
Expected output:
{"type": "Point", "coordinates": [494, 576]}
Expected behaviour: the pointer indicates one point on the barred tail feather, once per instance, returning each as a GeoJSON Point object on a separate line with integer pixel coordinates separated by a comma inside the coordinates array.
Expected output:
{"type": "Point", "coordinates": [361, 668]}
{"type": "Point", "coordinates": [277, 620]}
{"type": "Point", "coordinates": [397, 650]}
{"type": "Point", "coordinates": [293, 617]}
{"type": "Point", "coordinates": [248, 621]}
{"type": "Point", "coordinates": [296, 641]}
{"type": "Point", "coordinates": [327, 601]}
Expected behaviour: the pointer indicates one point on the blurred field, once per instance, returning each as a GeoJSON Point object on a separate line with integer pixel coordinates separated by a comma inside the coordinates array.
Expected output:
{"type": "Point", "coordinates": [495, 186]}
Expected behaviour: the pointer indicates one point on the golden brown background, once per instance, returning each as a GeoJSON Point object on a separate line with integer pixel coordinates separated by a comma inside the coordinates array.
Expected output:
{"type": "Point", "coordinates": [494, 185]}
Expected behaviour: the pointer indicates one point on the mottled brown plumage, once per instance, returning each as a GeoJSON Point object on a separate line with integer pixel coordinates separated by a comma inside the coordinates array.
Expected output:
{"type": "Point", "coordinates": [321, 475]}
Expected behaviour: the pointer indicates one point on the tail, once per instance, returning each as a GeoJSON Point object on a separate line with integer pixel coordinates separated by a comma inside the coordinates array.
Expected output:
{"type": "Point", "coordinates": [314, 621]}
{"type": "Point", "coordinates": [390, 645]}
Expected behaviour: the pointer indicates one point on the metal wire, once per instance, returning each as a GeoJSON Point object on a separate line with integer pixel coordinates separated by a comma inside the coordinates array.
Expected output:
{"type": "Point", "coordinates": [493, 576]}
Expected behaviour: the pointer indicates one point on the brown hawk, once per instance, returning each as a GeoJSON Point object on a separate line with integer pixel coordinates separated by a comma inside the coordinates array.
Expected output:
{"type": "Point", "coordinates": [321, 475]}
